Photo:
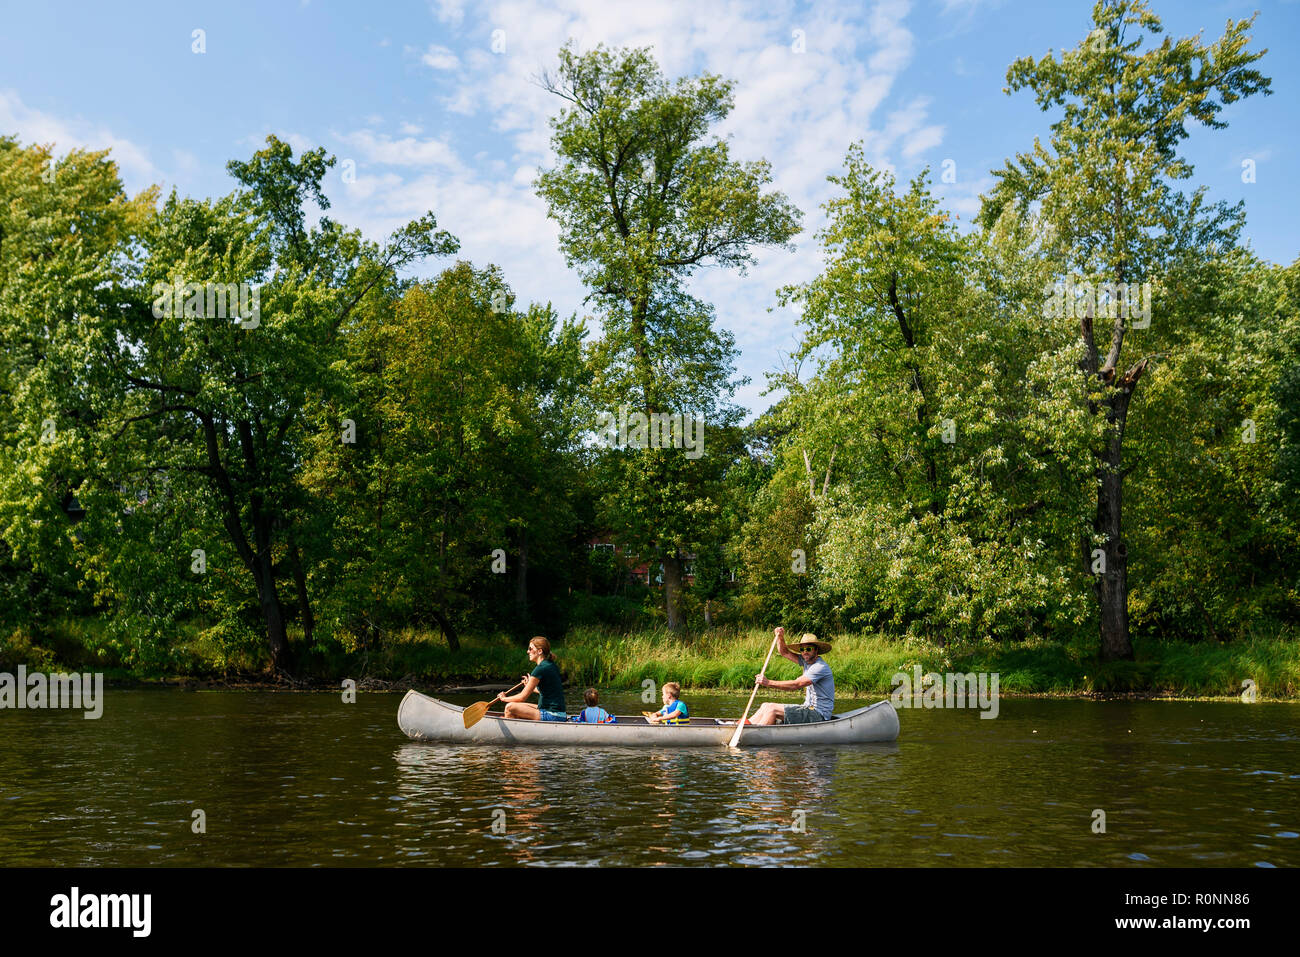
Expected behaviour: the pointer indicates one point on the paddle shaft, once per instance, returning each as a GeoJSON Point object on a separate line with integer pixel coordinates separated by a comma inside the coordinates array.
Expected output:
{"type": "Point", "coordinates": [474, 713]}
{"type": "Point", "coordinates": [511, 691]}
{"type": "Point", "coordinates": [735, 738]}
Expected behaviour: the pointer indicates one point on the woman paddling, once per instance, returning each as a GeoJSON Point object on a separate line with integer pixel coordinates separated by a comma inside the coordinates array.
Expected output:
{"type": "Point", "coordinates": [546, 681]}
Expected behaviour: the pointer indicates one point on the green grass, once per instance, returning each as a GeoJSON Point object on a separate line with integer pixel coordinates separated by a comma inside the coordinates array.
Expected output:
{"type": "Point", "coordinates": [864, 664]}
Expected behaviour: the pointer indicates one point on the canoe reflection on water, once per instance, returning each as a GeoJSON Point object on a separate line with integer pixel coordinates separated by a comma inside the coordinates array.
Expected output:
{"type": "Point", "coordinates": [607, 805]}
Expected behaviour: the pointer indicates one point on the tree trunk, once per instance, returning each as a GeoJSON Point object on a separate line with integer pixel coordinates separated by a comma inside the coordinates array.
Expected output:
{"type": "Point", "coordinates": [300, 582]}
{"type": "Point", "coordinates": [1112, 584]}
{"type": "Point", "coordinates": [673, 590]}
{"type": "Point", "coordinates": [453, 640]}
{"type": "Point", "coordinates": [258, 556]}
{"type": "Point", "coordinates": [267, 594]}
{"type": "Point", "coordinates": [918, 386]}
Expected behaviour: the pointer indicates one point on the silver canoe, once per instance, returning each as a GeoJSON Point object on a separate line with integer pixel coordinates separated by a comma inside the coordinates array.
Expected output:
{"type": "Point", "coordinates": [428, 719]}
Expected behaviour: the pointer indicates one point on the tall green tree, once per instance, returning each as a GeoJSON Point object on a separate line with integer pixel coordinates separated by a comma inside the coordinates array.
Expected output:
{"type": "Point", "coordinates": [1214, 531]}
{"type": "Point", "coordinates": [240, 389]}
{"type": "Point", "coordinates": [69, 253]}
{"type": "Point", "coordinates": [1106, 186]}
{"type": "Point", "coordinates": [457, 483]}
{"type": "Point", "coordinates": [183, 405]}
{"type": "Point", "coordinates": [917, 444]}
{"type": "Point", "coordinates": [644, 197]}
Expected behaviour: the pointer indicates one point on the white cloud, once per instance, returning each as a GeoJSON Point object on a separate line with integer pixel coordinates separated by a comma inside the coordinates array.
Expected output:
{"type": "Point", "coordinates": [963, 196]}
{"type": "Point", "coordinates": [798, 110]}
{"type": "Point", "coordinates": [408, 151]}
{"type": "Point", "coordinates": [497, 220]}
{"type": "Point", "coordinates": [451, 11]}
{"type": "Point", "coordinates": [440, 58]}
{"type": "Point", "coordinates": [921, 140]}
{"type": "Point", "coordinates": [895, 47]}
{"type": "Point", "coordinates": [962, 13]}
{"type": "Point", "coordinates": [367, 186]}
{"type": "Point", "coordinates": [907, 127]}
{"type": "Point", "coordinates": [34, 126]}
{"type": "Point", "coordinates": [463, 102]}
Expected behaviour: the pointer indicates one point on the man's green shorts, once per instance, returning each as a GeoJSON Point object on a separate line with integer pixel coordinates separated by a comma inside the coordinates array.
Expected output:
{"type": "Point", "coordinates": [798, 714]}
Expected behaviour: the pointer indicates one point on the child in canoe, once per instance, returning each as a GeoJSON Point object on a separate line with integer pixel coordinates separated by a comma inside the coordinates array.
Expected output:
{"type": "Point", "coordinates": [674, 709]}
{"type": "Point", "coordinates": [593, 713]}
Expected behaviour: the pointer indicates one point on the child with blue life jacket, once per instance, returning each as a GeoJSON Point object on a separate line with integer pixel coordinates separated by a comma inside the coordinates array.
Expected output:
{"type": "Point", "coordinates": [674, 709]}
{"type": "Point", "coordinates": [593, 713]}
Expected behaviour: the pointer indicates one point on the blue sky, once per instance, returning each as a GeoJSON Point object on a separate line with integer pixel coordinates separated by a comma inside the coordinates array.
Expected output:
{"type": "Point", "coordinates": [434, 106]}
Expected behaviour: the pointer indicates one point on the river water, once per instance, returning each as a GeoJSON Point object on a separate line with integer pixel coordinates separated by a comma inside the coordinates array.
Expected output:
{"type": "Point", "coordinates": [307, 780]}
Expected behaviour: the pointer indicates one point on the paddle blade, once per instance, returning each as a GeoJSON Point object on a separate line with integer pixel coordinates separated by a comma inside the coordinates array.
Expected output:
{"type": "Point", "coordinates": [735, 738]}
{"type": "Point", "coordinates": [474, 713]}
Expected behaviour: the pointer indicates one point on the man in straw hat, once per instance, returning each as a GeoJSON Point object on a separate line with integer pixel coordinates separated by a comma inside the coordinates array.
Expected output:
{"type": "Point", "coordinates": [816, 681]}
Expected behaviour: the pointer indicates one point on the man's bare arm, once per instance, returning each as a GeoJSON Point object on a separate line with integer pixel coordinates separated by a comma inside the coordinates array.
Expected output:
{"type": "Point", "coordinates": [796, 684]}
{"type": "Point", "coordinates": [783, 649]}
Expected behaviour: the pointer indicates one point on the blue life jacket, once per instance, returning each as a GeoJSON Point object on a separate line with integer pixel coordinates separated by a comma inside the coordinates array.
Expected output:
{"type": "Point", "coordinates": [594, 715]}
{"type": "Point", "coordinates": [678, 712]}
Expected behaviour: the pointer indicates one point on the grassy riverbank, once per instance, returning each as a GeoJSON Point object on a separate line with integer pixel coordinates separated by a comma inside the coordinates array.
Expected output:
{"type": "Point", "coordinates": [864, 664]}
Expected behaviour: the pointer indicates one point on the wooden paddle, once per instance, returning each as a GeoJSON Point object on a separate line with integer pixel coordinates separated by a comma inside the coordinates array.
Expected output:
{"type": "Point", "coordinates": [740, 725]}
{"type": "Point", "coordinates": [474, 713]}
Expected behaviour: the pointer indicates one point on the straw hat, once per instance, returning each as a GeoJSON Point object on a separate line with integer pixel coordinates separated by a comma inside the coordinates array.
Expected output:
{"type": "Point", "coordinates": [808, 638]}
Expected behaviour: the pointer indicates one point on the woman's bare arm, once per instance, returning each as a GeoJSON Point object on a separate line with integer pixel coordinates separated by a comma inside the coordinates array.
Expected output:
{"type": "Point", "coordinates": [530, 686]}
